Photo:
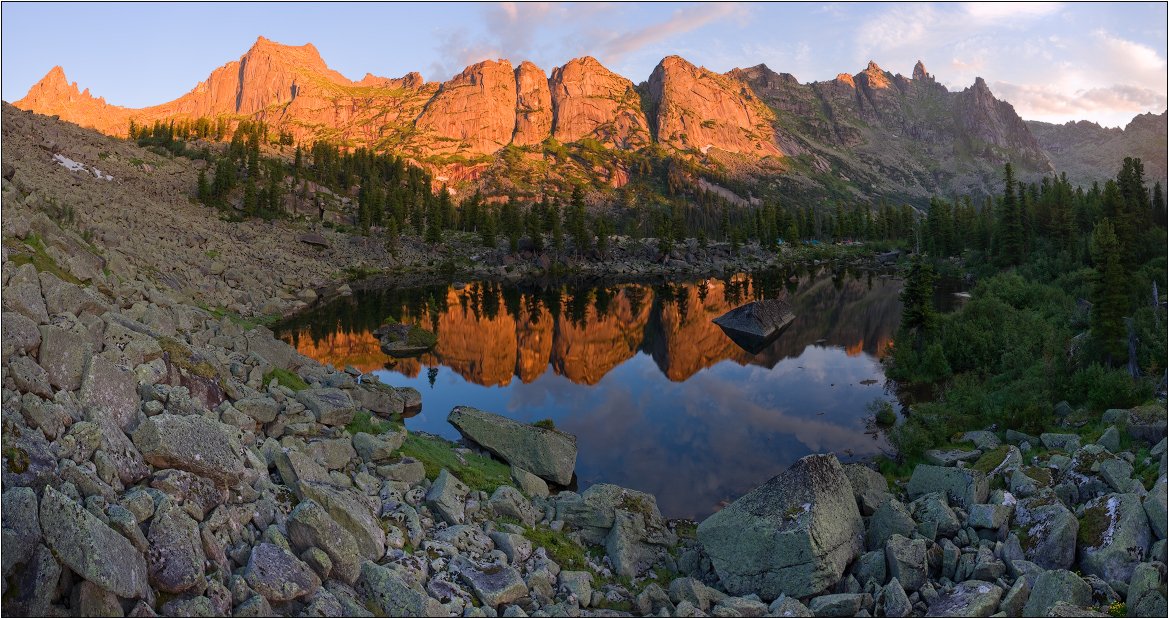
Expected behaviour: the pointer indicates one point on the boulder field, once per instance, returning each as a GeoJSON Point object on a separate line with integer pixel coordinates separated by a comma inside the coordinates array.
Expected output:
{"type": "Point", "coordinates": [160, 458]}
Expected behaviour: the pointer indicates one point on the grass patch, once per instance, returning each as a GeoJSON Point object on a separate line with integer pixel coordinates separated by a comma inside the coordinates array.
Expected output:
{"type": "Point", "coordinates": [365, 421]}
{"type": "Point", "coordinates": [565, 552]}
{"type": "Point", "coordinates": [991, 459]}
{"type": "Point", "coordinates": [285, 378]}
{"type": "Point", "coordinates": [478, 472]}
{"type": "Point", "coordinates": [40, 259]}
{"type": "Point", "coordinates": [547, 424]}
{"type": "Point", "coordinates": [182, 356]}
{"type": "Point", "coordinates": [246, 324]}
{"type": "Point", "coordinates": [896, 469]}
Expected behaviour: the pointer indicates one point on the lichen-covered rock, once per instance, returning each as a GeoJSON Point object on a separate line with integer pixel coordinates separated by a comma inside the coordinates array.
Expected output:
{"type": "Point", "coordinates": [309, 526]}
{"type": "Point", "coordinates": [1146, 591]}
{"type": "Point", "coordinates": [90, 548]}
{"type": "Point", "coordinates": [378, 448]}
{"type": "Point", "coordinates": [965, 487]}
{"type": "Point", "coordinates": [278, 575]}
{"type": "Point", "coordinates": [387, 594]}
{"type": "Point", "coordinates": [1050, 535]}
{"type": "Point", "coordinates": [1155, 507]}
{"type": "Point", "coordinates": [191, 443]}
{"type": "Point", "coordinates": [1056, 586]}
{"type": "Point", "coordinates": [890, 519]}
{"type": "Point", "coordinates": [176, 550]}
{"type": "Point", "coordinates": [351, 510]}
{"type": "Point", "coordinates": [793, 535]}
{"type": "Point", "coordinates": [892, 600]}
{"type": "Point", "coordinates": [330, 407]}
{"type": "Point", "coordinates": [21, 532]}
{"type": "Point", "coordinates": [905, 560]}
{"type": "Point", "coordinates": [63, 355]}
{"type": "Point", "coordinates": [972, 598]}
{"type": "Point", "coordinates": [448, 497]}
{"type": "Point", "coordinates": [110, 392]}
{"type": "Point", "coordinates": [531, 485]}
{"type": "Point", "coordinates": [836, 605]}
{"type": "Point", "coordinates": [1114, 536]}
{"type": "Point", "coordinates": [868, 486]}
{"type": "Point", "coordinates": [550, 454]}
{"type": "Point", "coordinates": [494, 585]}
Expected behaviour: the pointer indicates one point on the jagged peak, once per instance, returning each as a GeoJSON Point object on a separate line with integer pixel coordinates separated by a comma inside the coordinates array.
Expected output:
{"type": "Point", "coordinates": [874, 67]}
{"type": "Point", "coordinates": [845, 78]}
{"type": "Point", "coordinates": [919, 72]}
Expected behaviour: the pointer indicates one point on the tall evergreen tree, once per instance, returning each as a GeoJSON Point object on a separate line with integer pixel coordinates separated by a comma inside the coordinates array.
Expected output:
{"type": "Point", "coordinates": [1109, 295]}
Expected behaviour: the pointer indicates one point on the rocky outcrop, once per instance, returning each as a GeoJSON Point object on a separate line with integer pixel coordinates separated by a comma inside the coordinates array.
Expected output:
{"type": "Point", "coordinates": [794, 535]}
{"type": "Point", "coordinates": [590, 101]}
{"type": "Point", "coordinates": [697, 109]}
{"type": "Point", "coordinates": [547, 453]}
{"type": "Point", "coordinates": [533, 121]}
{"type": "Point", "coordinates": [473, 113]}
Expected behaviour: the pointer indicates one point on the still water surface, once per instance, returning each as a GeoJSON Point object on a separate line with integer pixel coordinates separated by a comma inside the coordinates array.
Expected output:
{"type": "Point", "coordinates": [659, 398]}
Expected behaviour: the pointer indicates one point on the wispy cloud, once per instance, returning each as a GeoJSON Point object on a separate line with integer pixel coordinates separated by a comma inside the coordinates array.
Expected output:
{"type": "Point", "coordinates": [682, 21]}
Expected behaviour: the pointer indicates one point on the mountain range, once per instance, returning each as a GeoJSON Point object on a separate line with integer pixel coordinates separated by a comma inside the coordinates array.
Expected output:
{"type": "Point", "coordinates": [747, 133]}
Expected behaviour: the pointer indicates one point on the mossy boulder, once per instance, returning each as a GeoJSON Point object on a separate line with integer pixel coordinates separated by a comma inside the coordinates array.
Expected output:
{"type": "Point", "coordinates": [402, 340]}
{"type": "Point", "coordinates": [549, 454]}
{"type": "Point", "coordinates": [965, 487]}
{"type": "Point", "coordinates": [1114, 535]}
{"type": "Point", "coordinates": [793, 535]}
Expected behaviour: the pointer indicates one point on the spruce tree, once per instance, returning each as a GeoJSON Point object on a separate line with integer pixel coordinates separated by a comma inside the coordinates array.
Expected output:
{"type": "Point", "coordinates": [917, 298]}
{"type": "Point", "coordinates": [1109, 294]}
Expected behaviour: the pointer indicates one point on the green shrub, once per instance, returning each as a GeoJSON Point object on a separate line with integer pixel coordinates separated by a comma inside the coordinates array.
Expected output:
{"type": "Point", "coordinates": [883, 412]}
{"type": "Point", "coordinates": [286, 378]}
{"type": "Point", "coordinates": [547, 424]}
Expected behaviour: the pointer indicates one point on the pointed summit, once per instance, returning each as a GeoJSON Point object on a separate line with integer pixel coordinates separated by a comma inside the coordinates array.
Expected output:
{"type": "Point", "coordinates": [919, 72]}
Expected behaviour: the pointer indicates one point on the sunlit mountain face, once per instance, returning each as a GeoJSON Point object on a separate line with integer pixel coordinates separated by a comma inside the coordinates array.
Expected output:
{"type": "Point", "coordinates": [659, 397]}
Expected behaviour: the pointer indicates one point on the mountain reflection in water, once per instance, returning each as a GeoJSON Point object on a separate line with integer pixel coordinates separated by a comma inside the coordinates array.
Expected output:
{"type": "Point", "coordinates": [659, 398]}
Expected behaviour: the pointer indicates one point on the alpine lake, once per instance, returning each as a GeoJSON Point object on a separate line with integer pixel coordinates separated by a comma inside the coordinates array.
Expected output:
{"type": "Point", "coordinates": [659, 398]}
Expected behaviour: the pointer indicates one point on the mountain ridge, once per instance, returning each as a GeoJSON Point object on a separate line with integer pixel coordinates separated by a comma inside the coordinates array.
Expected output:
{"type": "Point", "coordinates": [857, 137]}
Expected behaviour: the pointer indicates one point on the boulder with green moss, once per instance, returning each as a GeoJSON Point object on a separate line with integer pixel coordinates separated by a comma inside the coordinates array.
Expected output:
{"type": "Point", "coordinates": [547, 453]}
{"type": "Point", "coordinates": [1114, 536]}
{"type": "Point", "coordinates": [793, 535]}
{"type": "Point", "coordinates": [402, 340]}
{"type": "Point", "coordinates": [965, 487]}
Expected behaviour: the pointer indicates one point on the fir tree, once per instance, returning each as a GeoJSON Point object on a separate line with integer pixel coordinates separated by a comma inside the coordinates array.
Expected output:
{"type": "Point", "coordinates": [917, 298]}
{"type": "Point", "coordinates": [1109, 294]}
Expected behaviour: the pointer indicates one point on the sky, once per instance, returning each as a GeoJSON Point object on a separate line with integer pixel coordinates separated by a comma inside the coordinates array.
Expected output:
{"type": "Point", "coordinates": [1104, 62]}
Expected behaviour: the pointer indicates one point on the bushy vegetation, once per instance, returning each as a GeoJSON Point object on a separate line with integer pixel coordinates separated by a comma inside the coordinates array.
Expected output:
{"type": "Point", "coordinates": [285, 378]}
{"type": "Point", "coordinates": [1061, 290]}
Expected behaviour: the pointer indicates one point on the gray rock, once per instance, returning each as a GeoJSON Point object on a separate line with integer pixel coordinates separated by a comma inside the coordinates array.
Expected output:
{"type": "Point", "coordinates": [987, 516]}
{"type": "Point", "coordinates": [892, 601]}
{"type": "Point", "coordinates": [950, 457]}
{"type": "Point", "coordinates": [870, 567]}
{"type": "Point", "coordinates": [692, 590]}
{"type": "Point", "coordinates": [1051, 536]}
{"type": "Point", "coordinates": [516, 547]}
{"type": "Point", "coordinates": [494, 585]}
{"type": "Point", "coordinates": [549, 454]}
{"type": "Point", "coordinates": [29, 377]}
{"type": "Point", "coordinates": [447, 497]}
{"type": "Point", "coordinates": [93, 601]}
{"type": "Point", "coordinates": [739, 607]}
{"type": "Point", "coordinates": [1055, 586]}
{"type": "Point", "coordinates": [22, 294]}
{"type": "Point", "coordinates": [836, 605]}
{"type": "Point", "coordinates": [507, 501]}
{"type": "Point", "coordinates": [64, 354]}
{"type": "Point", "coordinates": [262, 409]}
{"type": "Point", "coordinates": [795, 534]}
{"type": "Point", "coordinates": [756, 324]}
{"type": "Point", "coordinates": [982, 439]}
{"type": "Point", "coordinates": [467, 538]}
{"type": "Point", "coordinates": [21, 532]}
{"type": "Point", "coordinates": [407, 470]}
{"type": "Point", "coordinates": [197, 495]}
{"type": "Point", "coordinates": [354, 511]}
{"type": "Point", "coordinates": [638, 539]}
{"type": "Point", "coordinates": [868, 486]}
{"type": "Point", "coordinates": [378, 449]}
{"type": "Point", "coordinates": [1155, 507]}
{"type": "Point", "coordinates": [1110, 440]}
{"type": "Point", "coordinates": [330, 407]}
{"type": "Point", "coordinates": [1146, 591]}
{"type": "Point", "coordinates": [176, 551]}
{"type": "Point", "coordinates": [20, 335]}
{"type": "Point", "coordinates": [785, 606]}
{"type": "Point", "coordinates": [30, 591]}
{"type": "Point", "coordinates": [310, 526]}
{"type": "Point", "coordinates": [1016, 598]}
{"type": "Point", "coordinates": [890, 519]}
{"type": "Point", "coordinates": [530, 484]}
{"type": "Point", "coordinates": [905, 560]}
{"type": "Point", "coordinates": [964, 487]}
{"type": "Point", "coordinates": [278, 575]}
{"type": "Point", "coordinates": [935, 508]}
{"type": "Point", "coordinates": [334, 454]}
{"type": "Point", "coordinates": [972, 598]}
{"type": "Point", "coordinates": [579, 584]}
{"type": "Point", "coordinates": [1060, 442]}
{"type": "Point", "coordinates": [1114, 536]}
{"type": "Point", "coordinates": [379, 398]}
{"type": "Point", "coordinates": [191, 443]}
{"type": "Point", "coordinates": [90, 548]}
{"type": "Point", "coordinates": [1117, 473]}
{"type": "Point", "coordinates": [1015, 437]}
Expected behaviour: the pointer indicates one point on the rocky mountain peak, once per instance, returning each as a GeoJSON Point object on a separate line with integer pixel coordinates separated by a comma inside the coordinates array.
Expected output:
{"type": "Point", "coordinates": [475, 111]}
{"type": "Point", "coordinates": [590, 101]}
{"type": "Point", "coordinates": [919, 72]}
{"type": "Point", "coordinates": [873, 77]}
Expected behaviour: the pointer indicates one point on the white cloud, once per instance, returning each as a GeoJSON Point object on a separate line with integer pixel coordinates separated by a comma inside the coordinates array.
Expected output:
{"type": "Point", "coordinates": [682, 21]}
{"type": "Point", "coordinates": [1006, 13]}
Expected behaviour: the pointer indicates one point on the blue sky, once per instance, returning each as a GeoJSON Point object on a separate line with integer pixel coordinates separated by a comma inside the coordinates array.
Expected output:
{"type": "Point", "coordinates": [1054, 61]}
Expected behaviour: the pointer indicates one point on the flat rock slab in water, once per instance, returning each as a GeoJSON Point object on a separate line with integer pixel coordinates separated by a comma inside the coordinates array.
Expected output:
{"type": "Point", "coordinates": [399, 340]}
{"type": "Point", "coordinates": [755, 325]}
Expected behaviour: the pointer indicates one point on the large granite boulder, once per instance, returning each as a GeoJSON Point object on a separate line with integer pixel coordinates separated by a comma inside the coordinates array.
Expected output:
{"type": "Point", "coordinates": [1114, 535]}
{"type": "Point", "coordinates": [191, 443]}
{"type": "Point", "coordinates": [964, 487]}
{"type": "Point", "coordinates": [550, 454]}
{"type": "Point", "coordinates": [793, 535]}
{"type": "Point", "coordinates": [91, 549]}
{"type": "Point", "coordinates": [756, 324]}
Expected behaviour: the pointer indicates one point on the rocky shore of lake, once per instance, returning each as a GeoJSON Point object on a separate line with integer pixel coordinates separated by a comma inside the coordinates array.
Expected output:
{"type": "Point", "coordinates": [163, 456]}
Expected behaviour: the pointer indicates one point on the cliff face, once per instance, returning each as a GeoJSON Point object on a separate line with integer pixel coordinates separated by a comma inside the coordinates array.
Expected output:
{"type": "Point", "coordinates": [1090, 153]}
{"type": "Point", "coordinates": [698, 109]}
{"type": "Point", "coordinates": [882, 134]}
